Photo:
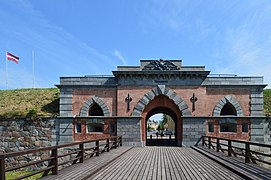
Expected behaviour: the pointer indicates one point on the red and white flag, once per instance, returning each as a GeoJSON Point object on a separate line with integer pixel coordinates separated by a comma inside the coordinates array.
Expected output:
{"type": "Point", "coordinates": [11, 57]}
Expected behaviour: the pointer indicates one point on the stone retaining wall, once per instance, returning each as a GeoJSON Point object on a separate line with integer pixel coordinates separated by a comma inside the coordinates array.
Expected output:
{"type": "Point", "coordinates": [21, 134]}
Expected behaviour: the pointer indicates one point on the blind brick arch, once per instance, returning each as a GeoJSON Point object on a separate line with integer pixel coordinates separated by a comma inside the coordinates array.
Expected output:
{"type": "Point", "coordinates": [88, 103]}
{"type": "Point", "coordinates": [225, 100]}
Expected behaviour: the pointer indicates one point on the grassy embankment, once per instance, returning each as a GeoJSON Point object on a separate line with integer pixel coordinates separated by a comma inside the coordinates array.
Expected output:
{"type": "Point", "coordinates": [267, 102]}
{"type": "Point", "coordinates": [42, 102]}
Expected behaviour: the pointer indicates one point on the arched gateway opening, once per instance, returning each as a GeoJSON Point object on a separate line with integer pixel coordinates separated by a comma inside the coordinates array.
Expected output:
{"type": "Point", "coordinates": [162, 104]}
{"type": "Point", "coordinates": [161, 127]}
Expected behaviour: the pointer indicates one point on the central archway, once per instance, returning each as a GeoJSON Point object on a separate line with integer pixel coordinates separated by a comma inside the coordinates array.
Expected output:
{"type": "Point", "coordinates": [164, 133]}
{"type": "Point", "coordinates": [163, 98]}
{"type": "Point", "coordinates": [162, 104]}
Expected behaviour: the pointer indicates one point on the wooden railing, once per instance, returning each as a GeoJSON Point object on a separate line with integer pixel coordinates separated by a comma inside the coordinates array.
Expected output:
{"type": "Point", "coordinates": [77, 153]}
{"type": "Point", "coordinates": [245, 149]}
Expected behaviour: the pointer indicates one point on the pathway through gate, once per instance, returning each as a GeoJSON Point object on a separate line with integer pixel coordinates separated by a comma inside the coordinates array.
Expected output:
{"type": "Point", "coordinates": [164, 163]}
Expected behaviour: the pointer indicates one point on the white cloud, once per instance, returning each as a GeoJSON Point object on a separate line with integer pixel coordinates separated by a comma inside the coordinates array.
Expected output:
{"type": "Point", "coordinates": [118, 54]}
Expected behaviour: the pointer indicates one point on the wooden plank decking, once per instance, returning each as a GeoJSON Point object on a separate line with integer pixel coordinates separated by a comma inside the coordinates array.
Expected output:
{"type": "Point", "coordinates": [164, 163]}
{"type": "Point", "coordinates": [161, 163]}
{"type": "Point", "coordinates": [89, 167]}
{"type": "Point", "coordinates": [246, 170]}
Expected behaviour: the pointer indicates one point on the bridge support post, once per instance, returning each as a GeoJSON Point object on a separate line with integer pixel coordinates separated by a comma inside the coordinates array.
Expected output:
{"type": "Point", "coordinates": [2, 168]}
{"type": "Point", "coordinates": [81, 153]}
{"type": "Point", "coordinates": [247, 153]}
{"type": "Point", "coordinates": [203, 140]}
{"type": "Point", "coordinates": [229, 147]}
{"type": "Point", "coordinates": [217, 145]}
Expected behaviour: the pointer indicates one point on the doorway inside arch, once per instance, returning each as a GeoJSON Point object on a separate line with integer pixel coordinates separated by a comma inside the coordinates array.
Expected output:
{"type": "Point", "coordinates": [161, 127]}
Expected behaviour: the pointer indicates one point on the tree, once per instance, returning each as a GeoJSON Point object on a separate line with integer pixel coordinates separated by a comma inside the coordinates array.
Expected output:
{"type": "Point", "coordinates": [148, 128]}
{"type": "Point", "coordinates": [159, 127]}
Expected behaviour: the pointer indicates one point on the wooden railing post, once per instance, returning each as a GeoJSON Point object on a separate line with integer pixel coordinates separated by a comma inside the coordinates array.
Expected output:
{"type": "Point", "coordinates": [247, 153]}
{"type": "Point", "coordinates": [116, 143]}
{"type": "Point", "coordinates": [217, 145]}
{"type": "Point", "coordinates": [209, 142]}
{"type": "Point", "coordinates": [54, 161]}
{"type": "Point", "coordinates": [81, 153]}
{"type": "Point", "coordinates": [2, 168]}
{"type": "Point", "coordinates": [229, 147]}
{"type": "Point", "coordinates": [107, 145]}
{"type": "Point", "coordinates": [97, 148]}
{"type": "Point", "coordinates": [203, 140]}
{"type": "Point", "coordinates": [120, 140]}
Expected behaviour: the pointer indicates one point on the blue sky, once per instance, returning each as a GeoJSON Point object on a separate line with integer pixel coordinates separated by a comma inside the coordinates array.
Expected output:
{"type": "Point", "coordinates": [82, 37]}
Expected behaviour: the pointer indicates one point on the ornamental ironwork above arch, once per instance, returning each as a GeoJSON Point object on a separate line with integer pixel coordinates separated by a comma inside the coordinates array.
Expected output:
{"type": "Point", "coordinates": [161, 65]}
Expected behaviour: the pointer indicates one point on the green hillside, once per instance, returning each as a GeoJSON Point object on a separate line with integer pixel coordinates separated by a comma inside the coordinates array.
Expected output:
{"type": "Point", "coordinates": [267, 101]}
{"type": "Point", "coordinates": [45, 102]}
{"type": "Point", "coordinates": [29, 102]}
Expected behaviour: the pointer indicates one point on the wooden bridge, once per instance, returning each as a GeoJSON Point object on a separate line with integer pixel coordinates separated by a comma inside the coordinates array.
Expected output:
{"type": "Point", "coordinates": [213, 158]}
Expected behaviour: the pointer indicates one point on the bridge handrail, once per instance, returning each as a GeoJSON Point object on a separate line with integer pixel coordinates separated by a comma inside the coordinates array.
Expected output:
{"type": "Point", "coordinates": [110, 142]}
{"type": "Point", "coordinates": [208, 142]}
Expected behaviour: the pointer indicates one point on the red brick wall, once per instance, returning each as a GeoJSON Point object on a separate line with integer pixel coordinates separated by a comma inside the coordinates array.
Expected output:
{"type": "Point", "coordinates": [89, 136]}
{"type": "Point", "coordinates": [213, 96]}
{"type": "Point", "coordinates": [136, 94]}
{"type": "Point", "coordinates": [239, 135]}
{"type": "Point", "coordinates": [108, 96]}
{"type": "Point", "coordinates": [207, 99]}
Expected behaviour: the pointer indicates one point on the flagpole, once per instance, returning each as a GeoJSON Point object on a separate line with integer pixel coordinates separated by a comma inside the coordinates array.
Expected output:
{"type": "Point", "coordinates": [6, 70]}
{"type": "Point", "coordinates": [33, 67]}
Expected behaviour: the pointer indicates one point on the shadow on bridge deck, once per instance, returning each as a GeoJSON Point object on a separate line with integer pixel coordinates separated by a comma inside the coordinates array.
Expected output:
{"type": "Point", "coordinates": [161, 142]}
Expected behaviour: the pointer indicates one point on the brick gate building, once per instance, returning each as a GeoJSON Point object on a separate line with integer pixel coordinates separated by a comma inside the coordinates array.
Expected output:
{"type": "Point", "coordinates": [198, 102]}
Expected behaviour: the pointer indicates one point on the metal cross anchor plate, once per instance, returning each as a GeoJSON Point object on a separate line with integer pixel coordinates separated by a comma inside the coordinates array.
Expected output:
{"type": "Point", "coordinates": [128, 99]}
{"type": "Point", "coordinates": [193, 100]}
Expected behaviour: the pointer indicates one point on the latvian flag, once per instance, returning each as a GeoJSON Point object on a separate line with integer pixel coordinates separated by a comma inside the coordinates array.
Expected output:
{"type": "Point", "coordinates": [11, 57]}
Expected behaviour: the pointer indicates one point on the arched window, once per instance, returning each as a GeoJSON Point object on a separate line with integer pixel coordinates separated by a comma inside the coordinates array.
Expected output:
{"type": "Point", "coordinates": [227, 110]}
{"type": "Point", "coordinates": [95, 110]}
{"type": "Point", "coordinates": [95, 125]}
{"type": "Point", "coordinates": [228, 124]}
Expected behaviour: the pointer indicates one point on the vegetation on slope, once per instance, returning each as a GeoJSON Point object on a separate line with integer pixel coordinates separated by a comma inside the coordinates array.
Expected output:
{"type": "Point", "coordinates": [29, 102]}
{"type": "Point", "coordinates": [267, 102]}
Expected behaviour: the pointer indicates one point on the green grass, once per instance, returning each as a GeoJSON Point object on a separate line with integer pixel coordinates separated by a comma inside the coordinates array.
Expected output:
{"type": "Point", "coordinates": [15, 174]}
{"type": "Point", "coordinates": [29, 102]}
{"type": "Point", "coordinates": [267, 102]}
